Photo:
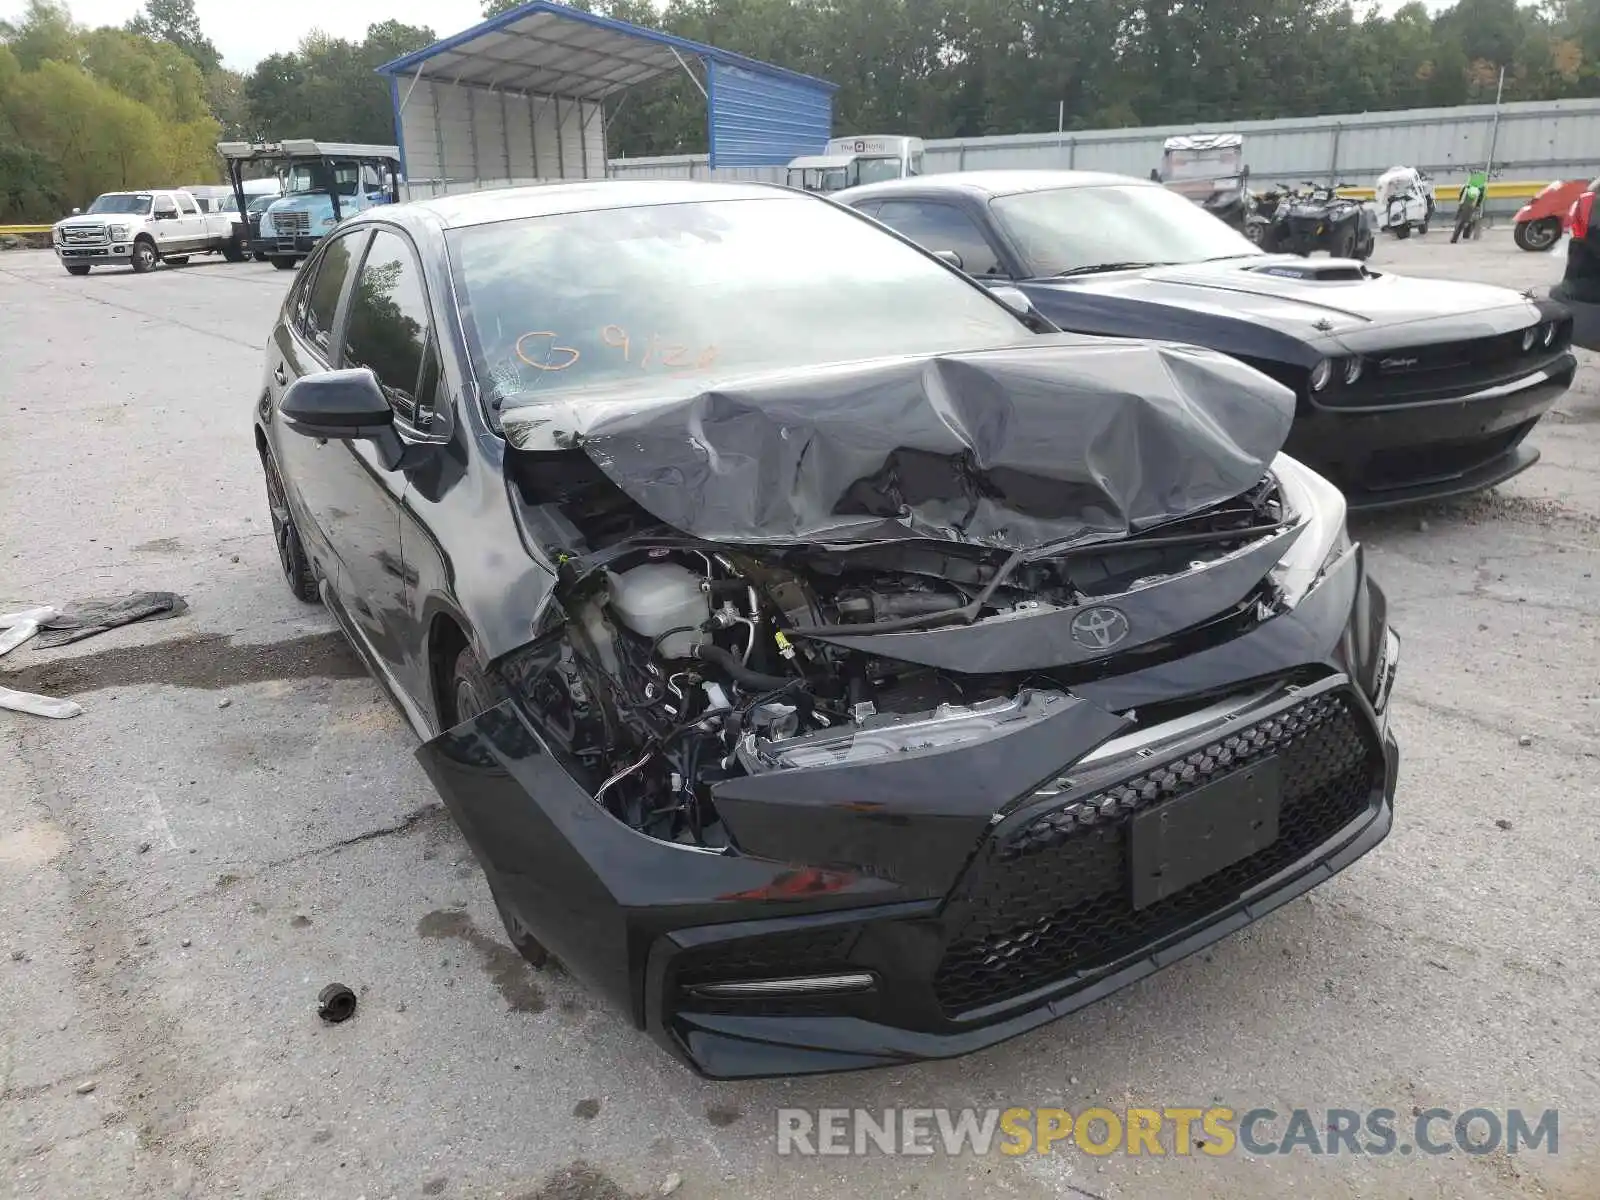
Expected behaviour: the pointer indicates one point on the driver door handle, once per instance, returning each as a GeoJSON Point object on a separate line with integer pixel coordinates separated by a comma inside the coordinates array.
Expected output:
{"type": "Point", "coordinates": [277, 373]}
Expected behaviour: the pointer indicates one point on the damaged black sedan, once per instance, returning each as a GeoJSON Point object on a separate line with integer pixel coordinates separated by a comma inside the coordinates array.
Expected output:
{"type": "Point", "coordinates": [827, 668]}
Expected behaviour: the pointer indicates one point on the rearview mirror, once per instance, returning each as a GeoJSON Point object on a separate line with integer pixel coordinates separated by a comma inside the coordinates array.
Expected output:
{"type": "Point", "coordinates": [949, 256]}
{"type": "Point", "coordinates": [347, 404]}
{"type": "Point", "coordinates": [1015, 299]}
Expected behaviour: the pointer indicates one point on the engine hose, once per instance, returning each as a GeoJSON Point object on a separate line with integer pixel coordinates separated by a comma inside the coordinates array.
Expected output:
{"type": "Point", "coordinates": [736, 670]}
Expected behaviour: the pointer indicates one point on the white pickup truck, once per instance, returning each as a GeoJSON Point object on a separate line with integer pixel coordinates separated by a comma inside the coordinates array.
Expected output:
{"type": "Point", "coordinates": [142, 229]}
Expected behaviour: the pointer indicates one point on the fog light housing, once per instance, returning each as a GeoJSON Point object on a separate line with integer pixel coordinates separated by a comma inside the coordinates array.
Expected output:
{"type": "Point", "coordinates": [1352, 370]}
{"type": "Point", "coordinates": [1529, 336]}
{"type": "Point", "coordinates": [1321, 374]}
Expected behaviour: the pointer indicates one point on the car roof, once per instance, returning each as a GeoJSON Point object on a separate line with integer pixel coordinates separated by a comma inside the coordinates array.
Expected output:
{"type": "Point", "coordinates": [988, 183]}
{"type": "Point", "coordinates": [550, 199]}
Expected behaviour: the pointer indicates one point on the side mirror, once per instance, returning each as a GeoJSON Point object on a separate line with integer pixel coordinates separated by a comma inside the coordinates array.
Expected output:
{"type": "Point", "coordinates": [348, 405]}
{"type": "Point", "coordinates": [1015, 299]}
{"type": "Point", "coordinates": [77, 212]}
{"type": "Point", "coordinates": [949, 256]}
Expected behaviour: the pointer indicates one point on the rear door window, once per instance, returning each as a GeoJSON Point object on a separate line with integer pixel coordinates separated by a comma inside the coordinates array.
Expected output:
{"type": "Point", "coordinates": [186, 204]}
{"type": "Point", "coordinates": [935, 226]}
{"type": "Point", "coordinates": [389, 330]}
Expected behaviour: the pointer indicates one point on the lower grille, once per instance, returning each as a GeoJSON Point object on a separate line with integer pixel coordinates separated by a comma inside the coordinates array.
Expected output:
{"type": "Point", "coordinates": [1408, 466]}
{"type": "Point", "coordinates": [1053, 898]}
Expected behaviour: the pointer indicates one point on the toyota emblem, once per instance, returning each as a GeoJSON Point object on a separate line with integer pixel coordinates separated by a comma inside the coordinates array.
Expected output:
{"type": "Point", "coordinates": [1099, 628]}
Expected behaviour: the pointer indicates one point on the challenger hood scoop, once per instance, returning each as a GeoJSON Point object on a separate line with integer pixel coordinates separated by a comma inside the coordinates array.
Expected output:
{"type": "Point", "coordinates": [1325, 270]}
{"type": "Point", "coordinates": [1059, 440]}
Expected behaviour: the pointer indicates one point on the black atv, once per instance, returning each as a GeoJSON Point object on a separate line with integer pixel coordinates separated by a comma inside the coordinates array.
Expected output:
{"type": "Point", "coordinates": [1318, 218]}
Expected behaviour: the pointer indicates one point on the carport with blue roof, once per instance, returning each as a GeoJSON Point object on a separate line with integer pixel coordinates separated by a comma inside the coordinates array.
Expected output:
{"type": "Point", "coordinates": [524, 97]}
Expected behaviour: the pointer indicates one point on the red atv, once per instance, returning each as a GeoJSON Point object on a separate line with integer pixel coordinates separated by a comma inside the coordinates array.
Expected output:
{"type": "Point", "coordinates": [1542, 221]}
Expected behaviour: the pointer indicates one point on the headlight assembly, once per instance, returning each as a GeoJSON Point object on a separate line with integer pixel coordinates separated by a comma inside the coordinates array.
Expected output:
{"type": "Point", "coordinates": [1549, 335]}
{"type": "Point", "coordinates": [119, 233]}
{"type": "Point", "coordinates": [1529, 336]}
{"type": "Point", "coordinates": [1323, 372]}
{"type": "Point", "coordinates": [1352, 370]}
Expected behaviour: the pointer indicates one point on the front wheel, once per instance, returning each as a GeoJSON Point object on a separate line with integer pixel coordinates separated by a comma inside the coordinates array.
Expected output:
{"type": "Point", "coordinates": [77, 268]}
{"type": "Point", "coordinates": [284, 264]}
{"type": "Point", "coordinates": [292, 558]}
{"type": "Point", "coordinates": [233, 252]}
{"type": "Point", "coordinates": [1345, 245]}
{"type": "Point", "coordinates": [143, 258]}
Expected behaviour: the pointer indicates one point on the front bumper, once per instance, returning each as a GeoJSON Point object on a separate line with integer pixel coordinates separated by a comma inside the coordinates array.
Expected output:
{"type": "Point", "coordinates": [967, 928]}
{"type": "Point", "coordinates": [274, 246]}
{"type": "Point", "coordinates": [92, 254]}
{"type": "Point", "coordinates": [1427, 449]}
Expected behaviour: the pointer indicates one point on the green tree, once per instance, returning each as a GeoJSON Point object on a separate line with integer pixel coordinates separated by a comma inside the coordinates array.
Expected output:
{"type": "Point", "coordinates": [176, 23]}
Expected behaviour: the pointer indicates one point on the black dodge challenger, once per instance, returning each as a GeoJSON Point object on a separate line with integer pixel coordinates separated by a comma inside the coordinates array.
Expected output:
{"type": "Point", "coordinates": [827, 668]}
{"type": "Point", "coordinates": [1406, 389]}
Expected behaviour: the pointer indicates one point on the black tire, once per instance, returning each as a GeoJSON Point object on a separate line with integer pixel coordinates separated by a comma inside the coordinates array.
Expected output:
{"type": "Point", "coordinates": [285, 264]}
{"type": "Point", "coordinates": [292, 558]}
{"type": "Point", "coordinates": [144, 256]}
{"type": "Point", "coordinates": [1401, 231]}
{"type": "Point", "coordinates": [176, 260]}
{"type": "Point", "coordinates": [471, 691]}
{"type": "Point", "coordinates": [1538, 236]}
{"type": "Point", "coordinates": [233, 251]}
{"type": "Point", "coordinates": [1364, 250]}
{"type": "Point", "coordinates": [1345, 245]}
{"type": "Point", "coordinates": [1423, 228]}
{"type": "Point", "coordinates": [77, 268]}
{"type": "Point", "coordinates": [258, 256]}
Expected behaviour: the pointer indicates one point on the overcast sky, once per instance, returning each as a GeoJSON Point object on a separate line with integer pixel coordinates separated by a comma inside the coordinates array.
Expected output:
{"type": "Point", "coordinates": [246, 33]}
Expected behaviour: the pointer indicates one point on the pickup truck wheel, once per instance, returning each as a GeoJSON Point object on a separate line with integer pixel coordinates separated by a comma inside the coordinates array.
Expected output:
{"type": "Point", "coordinates": [291, 553]}
{"type": "Point", "coordinates": [259, 257]}
{"type": "Point", "coordinates": [144, 256]}
{"type": "Point", "coordinates": [233, 251]}
{"type": "Point", "coordinates": [77, 268]}
{"type": "Point", "coordinates": [176, 260]}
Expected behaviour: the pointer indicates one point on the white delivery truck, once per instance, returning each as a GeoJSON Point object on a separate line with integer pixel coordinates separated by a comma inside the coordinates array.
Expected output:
{"type": "Point", "coordinates": [863, 158]}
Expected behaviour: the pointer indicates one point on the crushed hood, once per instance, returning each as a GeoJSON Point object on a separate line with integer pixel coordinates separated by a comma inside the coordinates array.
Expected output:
{"type": "Point", "coordinates": [1285, 291]}
{"type": "Point", "coordinates": [1063, 439]}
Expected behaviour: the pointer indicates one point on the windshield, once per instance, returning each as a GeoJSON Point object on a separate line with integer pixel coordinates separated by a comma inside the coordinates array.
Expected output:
{"type": "Point", "coordinates": [122, 202]}
{"type": "Point", "coordinates": [1070, 229]}
{"type": "Point", "coordinates": [1220, 163]}
{"type": "Point", "coordinates": [876, 170]}
{"type": "Point", "coordinates": [831, 179]}
{"type": "Point", "coordinates": [313, 177]}
{"type": "Point", "coordinates": [637, 298]}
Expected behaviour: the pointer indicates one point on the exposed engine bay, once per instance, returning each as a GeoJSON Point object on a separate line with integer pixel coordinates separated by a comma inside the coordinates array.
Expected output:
{"type": "Point", "coordinates": [671, 664]}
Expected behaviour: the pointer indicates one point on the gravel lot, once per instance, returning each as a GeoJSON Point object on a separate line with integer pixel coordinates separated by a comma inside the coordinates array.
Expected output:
{"type": "Point", "coordinates": [236, 820]}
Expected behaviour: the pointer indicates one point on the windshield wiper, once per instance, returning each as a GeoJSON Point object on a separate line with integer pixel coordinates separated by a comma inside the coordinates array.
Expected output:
{"type": "Point", "coordinates": [1097, 268]}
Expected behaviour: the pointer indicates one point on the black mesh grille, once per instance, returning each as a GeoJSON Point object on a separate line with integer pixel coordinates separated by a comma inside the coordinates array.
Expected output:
{"type": "Point", "coordinates": [1054, 898]}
